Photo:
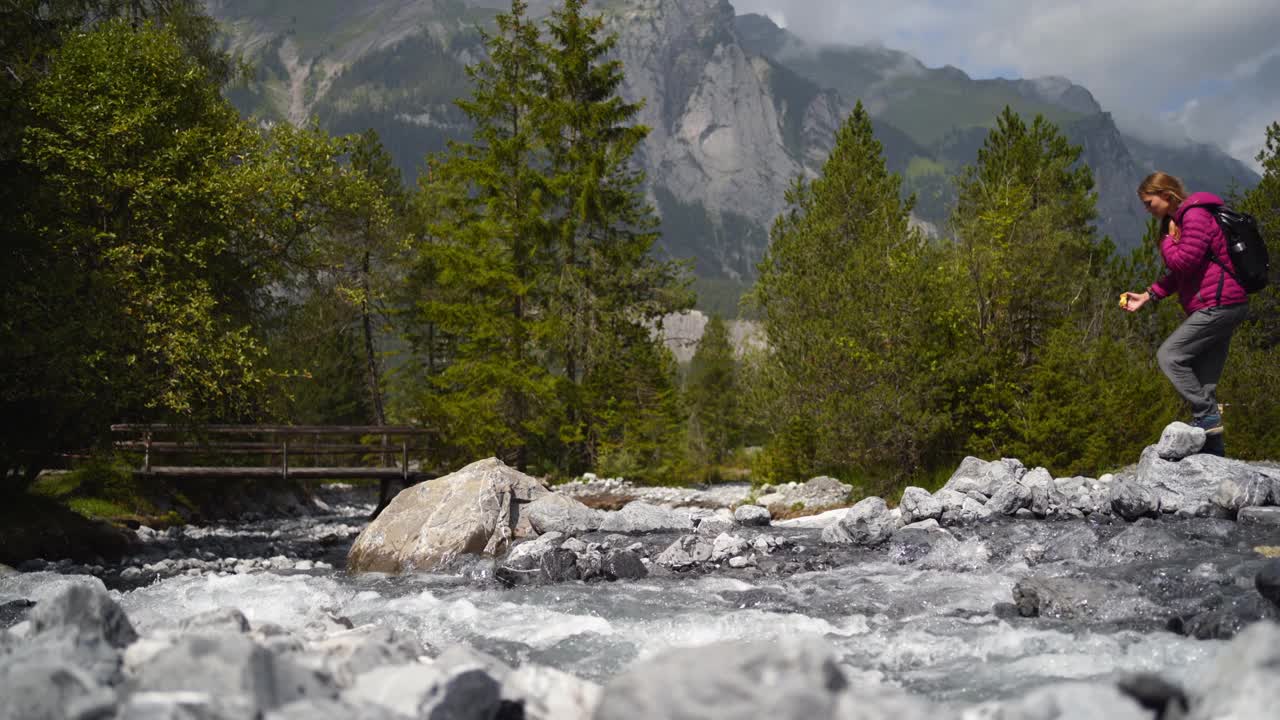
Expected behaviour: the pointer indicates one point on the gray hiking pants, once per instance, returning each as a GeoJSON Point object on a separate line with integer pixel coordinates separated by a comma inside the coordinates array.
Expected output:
{"type": "Point", "coordinates": [1193, 356]}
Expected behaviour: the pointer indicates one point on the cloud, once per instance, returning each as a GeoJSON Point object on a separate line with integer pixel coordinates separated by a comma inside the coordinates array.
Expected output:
{"type": "Point", "coordinates": [1206, 71]}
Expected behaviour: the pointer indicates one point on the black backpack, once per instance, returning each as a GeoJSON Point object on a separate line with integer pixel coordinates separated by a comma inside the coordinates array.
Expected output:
{"type": "Point", "coordinates": [1245, 246]}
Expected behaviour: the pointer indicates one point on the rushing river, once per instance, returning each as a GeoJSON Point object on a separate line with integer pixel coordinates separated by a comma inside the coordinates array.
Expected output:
{"type": "Point", "coordinates": [939, 623]}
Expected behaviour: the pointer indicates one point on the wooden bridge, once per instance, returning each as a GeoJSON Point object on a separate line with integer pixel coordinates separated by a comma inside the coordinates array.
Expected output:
{"type": "Point", "coordinates": [285, 452]}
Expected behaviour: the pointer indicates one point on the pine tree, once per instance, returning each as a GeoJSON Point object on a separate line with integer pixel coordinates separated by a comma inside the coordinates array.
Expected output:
{"type": "Point", "coordinates": [486, 206]}
{"type": "Point", "coordinates": [845, 304]}
{"type": "Point", "coordinates": [608, 284]}
{"type": "Point", "coordinates": [1250, 385]}
{"type": "Point", "coordinates": [1031, 268]}
{"type": "Point", "coordinates": [712, 391]}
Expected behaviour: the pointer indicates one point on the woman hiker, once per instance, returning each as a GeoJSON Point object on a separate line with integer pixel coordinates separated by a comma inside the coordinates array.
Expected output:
{"type": "Point", "coordinates": [1194, 249]}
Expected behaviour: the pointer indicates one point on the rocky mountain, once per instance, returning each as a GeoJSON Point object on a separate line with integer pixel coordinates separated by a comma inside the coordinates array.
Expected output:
{"type": "Point", "coordinates": [738, 107]}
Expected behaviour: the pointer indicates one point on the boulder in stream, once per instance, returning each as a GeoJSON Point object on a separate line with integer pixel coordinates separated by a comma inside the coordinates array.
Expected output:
{"type": "Point", "coordinates": [869, 522]}
{"type": "Point", "coordinates": [789, 678]}
{"type": "Point", "coordinates": [473, 511]}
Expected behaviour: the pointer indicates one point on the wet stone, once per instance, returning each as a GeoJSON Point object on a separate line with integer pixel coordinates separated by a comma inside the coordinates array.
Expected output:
{"type": "Point", "coordinates": [1260, 516]}
{"type": "Point", "coordinates": [752, 515]}
{"type": "Point", "coordinates": [1267, 581]}
{"type": "Point", "coordinates": [624, 565]}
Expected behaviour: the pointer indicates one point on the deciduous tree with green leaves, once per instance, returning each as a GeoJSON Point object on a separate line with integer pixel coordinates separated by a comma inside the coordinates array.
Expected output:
{"type": "Point", "coordinates": [126, 276]}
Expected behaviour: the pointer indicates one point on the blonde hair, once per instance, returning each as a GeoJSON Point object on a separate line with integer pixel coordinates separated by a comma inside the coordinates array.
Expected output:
{"type": "Point", "coordinates": [1165, 185]}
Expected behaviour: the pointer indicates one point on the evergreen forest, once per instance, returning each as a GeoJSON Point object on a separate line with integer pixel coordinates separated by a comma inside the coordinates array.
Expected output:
{"type": "Point", "coordinates": [167, 260]}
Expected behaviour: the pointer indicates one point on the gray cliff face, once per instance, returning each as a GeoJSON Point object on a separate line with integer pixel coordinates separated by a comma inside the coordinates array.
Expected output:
{"type": "Point", "coordinates": [722, 137]}
{"type": "Point", "coordinates": [737, 107]}
{"type": "Point", "coordinates": [1103, 149]}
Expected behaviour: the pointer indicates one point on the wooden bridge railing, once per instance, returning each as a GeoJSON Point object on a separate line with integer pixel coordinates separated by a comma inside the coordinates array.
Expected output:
{"type": "Point", "coordinates": [286, 443]}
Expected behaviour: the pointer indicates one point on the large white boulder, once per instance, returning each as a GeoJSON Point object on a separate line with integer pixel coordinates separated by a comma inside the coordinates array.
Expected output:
{"type": "Point", "coordinates": [473, 511]}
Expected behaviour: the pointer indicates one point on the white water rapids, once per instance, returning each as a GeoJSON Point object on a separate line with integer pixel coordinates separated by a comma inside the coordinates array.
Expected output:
{"type": "Point", "coordinates": [932, 625]}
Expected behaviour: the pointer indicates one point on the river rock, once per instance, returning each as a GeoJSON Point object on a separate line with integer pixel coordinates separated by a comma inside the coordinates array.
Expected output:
{"type": "Point", "coordinates": [1074, 542]}
{"type": "Point", "coordinates": [951, 501]}
{"type": "Point", "coordinates": [216, 621]}
{"type": "Point", "coordinates": [1268, 582]}
{"type": "Point", "coordinates": [624, 565]}
{"type": "Point", "coordinates": [686, 552]}
{"type": "Point", "coordinates": [817, 522]}
{"type": "Point", "coordinates": [970, 511]}
{"type": "Point", "coordinates": [543, 560]}
{"type": "Point", "coordinates": [917, 504]}
{"type": "Point", "coordinates": [51, 690]}
{"type": "Point", "coordinates": [713, 525]}
{"type": "Point", "coordinates": [549, 694]}
{"type": "Point", "coordinates": [544, 693]}
{"type": "Point", "coordinates": [1067, 598]}
{"type": "Point", "coordinates": [1083, 494]}
{"type": "Point", "coordinates": [241, 678]}
{"type": "Point", "coordinates": [916, 540]}
{"type": "Point", "coordinates": [1244, 681]}
{"type": "Point", "coordinates": [1259, 516]}
{"type": "Point", "coordinates": [1009, 497]}
{"type": "Point", "coordinates": [817, 492]}
{"type": "Point", "coordinates": [1131, 499]}
{"type": "Point", "coordinates": [637, 518]}
{"type": "Point", "coordinates": [923, 532]}
{"type": "Point", "coordinates": [1167, 700]}
{"type": "Point", "coordinates": [528, 554]}
{"type": "Point", "coordinates": [1179, 440]}
{"type": "Point", "coordinates": [791, 678]}
{"type": "Point", "coordinates": [752, 515]}
{"type": "Point", "coordinates": [429, 691]}
{"type": "Point", "coordinates": [1242, 491]}
{"type": "Point", "coordinates": [347, 655]}
{"type": "Point", "coordinates": [869, 522]}
{"type": "Point", "coordinates": [13, 612]}
{"type": "Point", "coordinates": [470, 512]}
{"type": "Point", "coordinates": [86, 611]}
{"type": "Point", "coordinates": [1142, 540]}
{"type": "Point", "coordinates": [727, 546]}
{"type": "Point", "coordinates": [1067, 701]}
{"type": "Point", "coordinates": [555, 512]}
{"type": "Point", "coordinates": [322, 709]}
{"type": "Point", "coordinates": [982, 476]}
{"type": "Point", "coordinates": [80, 625]}
{"type": "Point", "coordinates": [1189, 487]}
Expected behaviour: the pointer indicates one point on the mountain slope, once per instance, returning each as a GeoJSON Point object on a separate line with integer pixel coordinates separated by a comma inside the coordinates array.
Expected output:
{"type": "Point", "coordinates": [738, 107]}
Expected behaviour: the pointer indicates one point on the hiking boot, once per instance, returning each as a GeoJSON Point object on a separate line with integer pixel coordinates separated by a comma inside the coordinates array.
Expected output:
{"type": "Point", "coordinates": [1211, 424]}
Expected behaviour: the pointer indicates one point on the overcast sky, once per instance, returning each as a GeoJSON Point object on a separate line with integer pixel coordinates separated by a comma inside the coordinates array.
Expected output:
{"type": "Point", "coordinates": [1168, 69]}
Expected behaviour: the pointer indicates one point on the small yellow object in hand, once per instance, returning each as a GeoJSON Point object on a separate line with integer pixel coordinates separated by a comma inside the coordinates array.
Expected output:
{"type": "Point", "coordinates": [1124, 299]}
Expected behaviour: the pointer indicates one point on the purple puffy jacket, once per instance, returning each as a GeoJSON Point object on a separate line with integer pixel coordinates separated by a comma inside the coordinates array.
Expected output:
{"type": "Point", "coordinates": [1191, 274]}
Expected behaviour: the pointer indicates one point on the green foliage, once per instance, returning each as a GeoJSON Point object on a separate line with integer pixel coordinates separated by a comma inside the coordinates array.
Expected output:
{"type": "Point", "coordinates": [485, 207]}
{"type": "Point", "coordinates": [604, 285]}
{"type": "Point", "coordinates": [712, 391]}
{"type": "Point", "coordinates": [1250, 386]}
{"type": "Point", "coordinates": [534, 285]}
{"type": "Point", "coordinates": [849, 316]}
{"type": "Point", "coordinates": [1029, 264]}
{"type": "Point", "coordinates": [124, 272]}
{"type": "Point", "coordinates": [638, 430]}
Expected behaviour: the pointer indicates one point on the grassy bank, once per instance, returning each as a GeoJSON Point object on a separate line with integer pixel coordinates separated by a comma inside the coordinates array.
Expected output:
{"type": "Point", "coordinates": [87, 513]}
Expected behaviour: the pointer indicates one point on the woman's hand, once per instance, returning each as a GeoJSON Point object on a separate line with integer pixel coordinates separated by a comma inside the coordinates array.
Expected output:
{"type": "Point", "coordinates": [1132, 302]}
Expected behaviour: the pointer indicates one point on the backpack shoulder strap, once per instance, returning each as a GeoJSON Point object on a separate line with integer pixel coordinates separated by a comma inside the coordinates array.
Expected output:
{"type": "Point", "coordinates": [1213, 257]}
